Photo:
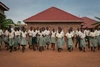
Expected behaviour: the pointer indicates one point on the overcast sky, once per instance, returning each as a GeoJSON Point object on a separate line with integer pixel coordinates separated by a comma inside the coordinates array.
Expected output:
{"type": "Point", "coordinates": [22, 9]}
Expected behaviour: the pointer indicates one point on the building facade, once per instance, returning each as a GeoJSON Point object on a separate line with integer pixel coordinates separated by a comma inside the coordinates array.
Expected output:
{"type": "Point", "coordinates": [88, 22]}
{"type": "Point", "coordinates": [3, 8]}
{"type": "Point", "coordinates": [53, 18]}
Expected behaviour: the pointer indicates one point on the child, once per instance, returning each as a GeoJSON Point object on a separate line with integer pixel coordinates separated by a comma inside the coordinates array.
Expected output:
{"type": "Point", "coordinates": [11, 39]}
{"type": "Point", "coordinates": [99, 39]}
{"type": "Point", "coordinates": [73, 33]}
{"type": "Point", "coordinates": [93, 42]}
{"type": "Point", "coordinates": [62, 32]}
{"type": "Point", "coordinates": [97, 36]}
{"type": "Point", "coordinates": [37, 31]}
{"type": "Point", "coordinates": [30, 32]}
{"type": "Point", "coordinates": [44, 37]}
{"type": "Point", "coordinates": [19, 37]}
{"type": "Point", "coordinates": [40, 34]}
{"type": "Point", "coordinates": [82, 40]}
{"type": "Point", "coordinates": [16, 38]}
{"type": "Point", "coordinates": [1, 34]}
{"type": "Point", "coordinates": [23, 39]}
{"type": "Point", "coordinates": [69, 36]}
{"type": "Point", "coordinates": [34, 40]}
{"type": "Point", "coordinates": [60, 43]}
{"type": "Point", "coordinates": [87, 31]}
{"type": "Point", "coordinates": [6, 39]}
{"type": "Point", "coordinates": [78, 38]}
{"type": "Point", "coordinates": [47, 37]}
{"type": "Point", "coordinates": [53, 38]}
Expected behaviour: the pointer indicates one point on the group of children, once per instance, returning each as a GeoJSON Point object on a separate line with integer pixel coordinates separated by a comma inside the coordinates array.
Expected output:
{"type": "Point", "coordinates": [41, 38]}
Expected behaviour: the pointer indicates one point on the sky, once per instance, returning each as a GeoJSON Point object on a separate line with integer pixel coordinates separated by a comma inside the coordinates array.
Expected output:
{"type": "Point", "coordinates": [22, 9]}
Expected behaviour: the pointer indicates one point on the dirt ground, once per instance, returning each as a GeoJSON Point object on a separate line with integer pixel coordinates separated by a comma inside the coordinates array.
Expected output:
{"type": "Point", "coordinates": [49, 58]}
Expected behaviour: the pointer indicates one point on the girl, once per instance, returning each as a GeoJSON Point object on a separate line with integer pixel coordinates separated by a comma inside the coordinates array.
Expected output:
{"type": "Point", "coordinates": [99, 39]}
{"type": "Point", "coordinates": [34, 40]}
{"type": "Point", "coordinates": [72, 32]}
{"type": "Point", "coordinates": [82, 40]}
{"type": "Point", "coordinates": [37, 31]}
{"type": "Point", "coordinates": [78, 38]}
{"type": "Point", "coordinates": [19, 37]}
{"type": "Point", "coordinates": [47, 37]}
{"type": "Point", "coordinates": [44, 38]}
{"type": "Point", "coordinates": [6, 39]}
{"type": "Point", "coordinates": [23, 39]}
{"type": "Point", "coordinates": [11, 39]}
{"type": "Point", "coordinates": [40, 34]}
{"type": "Point", "coordinates": [30, 32]}
{"type": "Point", "coordinates": [69, 36]}
{"type": "Point", "coordinates": [16, 39]}
{"type": "Point", "coordinates": [97, 34]}
{"type": "Point", "coordinates": [1, 34]}
{"type": "Point", "coordinates": [93, 42]}
{"type": "Point", "coordinates": [87, 31]}
{"type": "Point", "coordinates": [59, 36]}
{"type": "Point", "coordinates": [62, 32]}
{"type": "Point", "coordinates": [53, 39]}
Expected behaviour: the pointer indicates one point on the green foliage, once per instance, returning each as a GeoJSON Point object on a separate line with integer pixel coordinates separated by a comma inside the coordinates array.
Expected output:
{"type": "Point", "coordinates": [4, 22]}
{"type": "Point", "coordinates": [19, 22]}
{"type": "Point", "coordinates": [97, 24]}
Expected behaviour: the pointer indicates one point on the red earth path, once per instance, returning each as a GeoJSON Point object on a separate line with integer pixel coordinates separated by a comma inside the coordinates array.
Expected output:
{"type": "Point", "coordinates": [49, 58]}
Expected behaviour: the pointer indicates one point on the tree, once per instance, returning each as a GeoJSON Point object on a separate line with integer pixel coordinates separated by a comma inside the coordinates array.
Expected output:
{"type": "Point", "coordinates": [4, 22]}
{"type": "Point", "coordinates": [1, 20]}
{"type": "Point", "coordinates": [97, 24]}
{"type": "Point", "coordinates": [19, 22]}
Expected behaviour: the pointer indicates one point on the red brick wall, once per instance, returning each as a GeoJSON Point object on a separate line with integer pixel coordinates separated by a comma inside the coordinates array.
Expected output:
{"type": "Point", "coordinates": [52, 25]}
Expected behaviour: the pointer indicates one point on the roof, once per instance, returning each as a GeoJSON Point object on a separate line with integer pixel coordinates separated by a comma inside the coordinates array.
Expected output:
{"type": "Point", "coordinates": [88, 22]}
{"type": "Point", "coordinates": [53, 14]}
{"type": "Point", "coordinates": [4, 6]}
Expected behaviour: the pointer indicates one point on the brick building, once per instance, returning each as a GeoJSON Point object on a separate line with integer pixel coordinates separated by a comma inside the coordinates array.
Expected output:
{"type": "Point", "coordinates": [54, 17]}
{"type": "Point", "coordinates": [88, 22]}
{"type": "Point", "coordinates": [3, 8]}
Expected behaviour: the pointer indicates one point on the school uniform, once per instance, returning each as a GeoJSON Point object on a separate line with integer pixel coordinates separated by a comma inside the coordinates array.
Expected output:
{"type": "Point", "coordinates": [82, 40]}
{"type": "Point", "coordinates": [73, 33]}
{"type": "Point", "coordinates": [87, 37]}
{"type": "Point", "coordinates": [69, 40]}
{"type": "Point", "coordinates": [62, 32]}
{"type": "Point", "coordinates": [23, 39]}
{"type": "Point", "coordinates": [97, 37]}
{"type": "Point", "coordinates": [1, 33]}
{"type": "Point", "coordinates": [77, 38]}
{"type": "Point", "coordinates": [41, 41]}
{"type": "Point", "coordinates": [12, 29]}
{"type": "Point", "coordinates": [59, 41]}
{"type": "Point", "coordinates": [11, 40]}
{"type": "Point", "coordinates": [86, 33]}
{"type": "Point", "coordinates": [30, 32]}
{"type": "Point", "coordinates": [19, 37]}
{"type": "Point", "coordinates": [16, 39]}
{"type": "Point", "coordinates": [44, 38]}
{"type": "Point", "coordinates": [6, 37]}
{"type": "Point", "coordinates": [37, 31]}
{"type": "Point", "coordinates": [93, 40]}
{"type": "Point", "coordinates": [47, 37]}
{"type": "Point", "coordinates": [34, 38]}
{"type": "Point", "coordinates": [98, 40]}
{"type": "Point", "coordinates": [53, 37]}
